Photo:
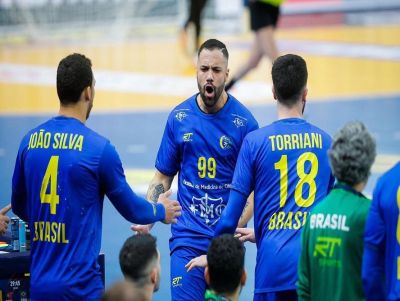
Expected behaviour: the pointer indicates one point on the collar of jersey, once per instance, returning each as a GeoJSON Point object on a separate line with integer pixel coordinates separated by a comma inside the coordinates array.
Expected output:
{"type": "Point", "coordinates": [198, 111]}
{"type": "Point", "coordinates": [62, 117]}
{"type": "Point", "coordinates": [211, 296]}
{"type": "Point", "coordinates": [292, 120]}
{"type": "Point", "coordinates": [344, 186]}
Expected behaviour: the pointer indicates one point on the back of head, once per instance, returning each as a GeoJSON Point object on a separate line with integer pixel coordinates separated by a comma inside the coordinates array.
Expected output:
{"type": "Point", "coordinates": [352, 153]}
{"type": "Point", "coordinates": [138, 257]}
{"type": "Point", "coordinates": [212, 44]}
{"type": "Point", "coordinates": [289, 76]}
{"type": "Point", "coordinates": [225, 259]}
{"type": "Point", "coordinates": [74, 74]}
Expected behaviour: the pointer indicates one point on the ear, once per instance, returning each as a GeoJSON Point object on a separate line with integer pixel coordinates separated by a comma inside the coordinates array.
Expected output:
{"type": "Point", "coordinates": [273, 92]}
{"type": "Point", "coordinates": [153, 276]}
{"type": "Point", "coordinates": [87, 93]}
{"type": "Point", "coordinates": [207, 275]}
{"type": "Point", "coordinates": [305, 92]}
{"type": "Point", "coordinates": [243, 278]}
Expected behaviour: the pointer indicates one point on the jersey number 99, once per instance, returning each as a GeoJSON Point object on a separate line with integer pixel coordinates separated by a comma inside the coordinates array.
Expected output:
{"type": "Point", "coordinates": [207, 167]}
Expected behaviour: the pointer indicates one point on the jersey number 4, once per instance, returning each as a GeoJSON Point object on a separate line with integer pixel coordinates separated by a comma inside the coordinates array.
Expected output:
{"type": "Point", "coordinates": [304, 178]}
{"type": "Point", "coordinates": [50, 196]}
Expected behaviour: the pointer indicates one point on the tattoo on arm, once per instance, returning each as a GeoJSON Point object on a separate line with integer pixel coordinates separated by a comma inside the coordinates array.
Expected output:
{"type": "Point", "coordinates": [155, 191]}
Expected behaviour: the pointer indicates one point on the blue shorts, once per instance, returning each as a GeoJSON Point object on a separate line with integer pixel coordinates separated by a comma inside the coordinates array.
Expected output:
{"type": "Point", "coordinates": [186, 286]}
{"type": "Point", "coordinates": [276, 296]}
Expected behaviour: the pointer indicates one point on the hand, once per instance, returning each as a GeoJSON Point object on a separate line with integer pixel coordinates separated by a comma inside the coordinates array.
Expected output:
{"type": "Point", "coordinates": [142, 229]}
{"type": "Point", "coordinates": [245, 234]}
{"type": "Point", "coordinates": [200, 261]}
{"type": "Point", "coordinates": [4, 219]}
{"type": "Point", "coordinates": [172, 208]}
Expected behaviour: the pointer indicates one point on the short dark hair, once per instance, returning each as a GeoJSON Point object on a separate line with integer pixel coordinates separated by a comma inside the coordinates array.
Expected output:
{"type": "Point", "coordinates": [212, 44]}
{"type": "Point", "coordinates": [289, 76]}
{"type": "Point", "coordinates": [352, 153]}
{"type": "Point", "coordinates": [137, 255]}
{"type": "Point", "coordinates": [74, 74]}
{"type": "Point", "coordinates": [225, 259]}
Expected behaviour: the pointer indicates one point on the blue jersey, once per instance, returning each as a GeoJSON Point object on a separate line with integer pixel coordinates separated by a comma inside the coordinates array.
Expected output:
{"type": "Point", "coordinates": [63, 169]}
{"type": "Point", "coordinates": [286, 164]}
{"type": "Point", "coordinates": [381, 261]}
{"type": "Point", "coordinates": [203, 148]}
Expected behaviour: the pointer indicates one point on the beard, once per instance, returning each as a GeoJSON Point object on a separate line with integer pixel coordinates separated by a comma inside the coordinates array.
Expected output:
{"type": "Point", "coordinates": [210, 94]}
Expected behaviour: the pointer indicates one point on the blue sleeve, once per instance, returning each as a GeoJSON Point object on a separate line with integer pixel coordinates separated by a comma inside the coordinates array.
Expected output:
{"type": "Point", "coordinates": [373, 258]}
{"type": "Point", "coordinates": [167, 161]}
{"type": "Point", "coordinates": [243, 177]}
{"type": "Point", "coordinates": [253, 125]}
{"type": "Point", "coordinates": [132, 207]}
{"type": "Point", "coordinates": [19, 202]}
{"type": "Point", "coordinates": [231, 214]}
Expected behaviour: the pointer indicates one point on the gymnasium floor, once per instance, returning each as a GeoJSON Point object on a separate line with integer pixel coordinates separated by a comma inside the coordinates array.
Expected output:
{"type": "Point", "coordinates": [354, 74]}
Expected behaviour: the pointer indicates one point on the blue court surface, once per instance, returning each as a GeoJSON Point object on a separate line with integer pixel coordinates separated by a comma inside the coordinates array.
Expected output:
{"type": "Point", "coordinates": [137, 135]}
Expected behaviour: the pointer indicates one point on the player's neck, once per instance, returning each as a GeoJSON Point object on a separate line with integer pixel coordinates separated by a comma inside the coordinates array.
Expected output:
{"type": "Point", "coordinates": [359, 187]}
{"type": "Point", "coordinates": [74, 111]}
{"type": "Point", "coordinates": [214, 109]}
{"type": "Point", "coordinates": [292, 112]}
{"type": "Point", "coordinates": [143, 292]}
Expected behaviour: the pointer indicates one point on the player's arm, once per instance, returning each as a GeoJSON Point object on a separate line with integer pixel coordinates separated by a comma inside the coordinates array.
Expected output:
{"type": "Point", "coordinates": [231, 214]}
{"type": "Point", "coordinates": [158, 185]}
{"type": "Point", "coordinates": [303, 283]}
{"type": "Point", "coordinates": [247, 213]}
{"type": "Point", "coordinates": [18, 195]}
{"type": "Point", "coordinates": [373, 270]}
{"type": "Point", "coordinates": [129, 205]}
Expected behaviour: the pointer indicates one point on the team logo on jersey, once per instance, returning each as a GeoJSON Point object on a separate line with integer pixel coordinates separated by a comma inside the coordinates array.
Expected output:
{"type": "Point", "coordinates": [225, 142]}
{"type": "Point", "coordinates": [207, 208]}
{"type": "Point", "coordinates": [180, 115]}
{"type": "Point", "coordinates": [238, 122]}
{"type": "Point", "coordinates": [187, 137]}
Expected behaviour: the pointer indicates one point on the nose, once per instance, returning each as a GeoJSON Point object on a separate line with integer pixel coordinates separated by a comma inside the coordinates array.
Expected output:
{"type": "Point", "coordinates": [210, 76]}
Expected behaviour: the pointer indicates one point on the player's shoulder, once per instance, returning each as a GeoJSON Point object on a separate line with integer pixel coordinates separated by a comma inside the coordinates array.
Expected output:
{"type": "Point", "coordinates": [240, 108]}
{"type": "Point", "coordinates": [317, 129]}
{"type": "Point", "coordinates": [392, 176]}
{"type": "Point", "coordinates": [182, 110]}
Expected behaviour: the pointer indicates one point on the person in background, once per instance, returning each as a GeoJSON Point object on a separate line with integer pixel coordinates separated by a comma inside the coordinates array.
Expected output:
{"type": "Point", "coordinates": [333, 237]}
{"type": "Point", "coordinates": [196, 8]}
{"type": "Point", "coordinates": [381, 260]}
{"type": "Point", "coordinates": [4, 219]}
{"type": "Point", "coordinates": [225, 273]}
{"type": "Point", "coordinates": [264, 17]}
{"type": "Point", "coordinates": [139, 259]}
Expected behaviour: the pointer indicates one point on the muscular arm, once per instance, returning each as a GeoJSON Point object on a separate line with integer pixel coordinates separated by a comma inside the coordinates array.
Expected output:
{"type": "Point", "coordinates": [247, 213]}
{"type": "Point", "coordinates": [159, 184]}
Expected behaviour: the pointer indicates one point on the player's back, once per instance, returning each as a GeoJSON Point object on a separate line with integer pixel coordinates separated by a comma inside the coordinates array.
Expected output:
{"type": "Point", "coordinates": [333, 242]}
{"type": "Point", "coordinates": [60, 161]}
{"type": "Point", "coordinates": [291, 175]}
{"type": "Point", "coordinates": [383, 228]}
